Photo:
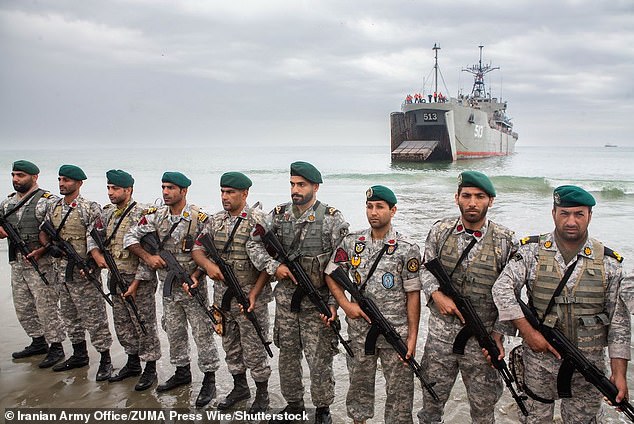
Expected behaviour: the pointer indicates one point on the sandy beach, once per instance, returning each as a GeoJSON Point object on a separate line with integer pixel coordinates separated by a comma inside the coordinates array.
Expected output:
{"type": "Point", "coordinates": [24, 385]}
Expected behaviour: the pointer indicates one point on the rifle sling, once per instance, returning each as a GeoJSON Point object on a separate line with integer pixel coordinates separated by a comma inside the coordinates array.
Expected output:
{"type": "Point", "coordinates": [225, 248]}
{"type": "Point", "coordinates": [107, 242]}
{"type": "Point", "coordinates": [61, 224]}
{"type": "Point", "coordinates": [374, 265]}
{"type": "Point", "coordinates": [169, 234]}
{"type": "Point", "coordinates": [464, 255]}
{"type": "Point", "coordinates": [558, 290]}
{"type": "Point", "coordinates": [298, 241]}
{"type": "Point", "coordinates": [22, 202]}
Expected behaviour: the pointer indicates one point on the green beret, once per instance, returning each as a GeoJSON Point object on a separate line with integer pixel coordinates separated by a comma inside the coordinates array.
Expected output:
{"type": "Point", "coordinates": [235, 180]}
{"type": "Point", "coordinates": [176, 178]}
{"type": "Point", "coordinates": [119, 178]}
{"type": "Point", "coordinates": [73, 172]}
{"type": "Point", "coordinates": [379, 192]}
{"type": "Point", "coordinates": [26, 166]}
{"type": "Point", "coordinates": [306, 170]}
{"type": "Point", "coordinates": [476, 179]}
{"type": "Point", "coordinates": [568, 196]}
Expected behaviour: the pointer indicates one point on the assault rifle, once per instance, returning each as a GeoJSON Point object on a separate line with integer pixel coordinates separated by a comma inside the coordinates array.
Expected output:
{"type": "Point", "coordinates": [73, 258]}
{"type": "Point", "coordinates": [234, 289]}
{"type": "Point", "coordinates": [474, 327]}
{"type": "Point", "coordinates": [175, 273]}
{"type": "Point", "coordinates": [116, 277]}
{"type": "Point", "coordinates": [574, 359]}
{"type": "Point", "coordinates": [379, 325]}
{"type": "Point", "coordinates": [18, 243]}
{"type": "Point", "coordinates": [305, 286]}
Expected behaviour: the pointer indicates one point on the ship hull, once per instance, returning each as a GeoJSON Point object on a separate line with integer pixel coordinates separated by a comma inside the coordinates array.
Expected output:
{"type": "Point", "coordinates": [447, 132]}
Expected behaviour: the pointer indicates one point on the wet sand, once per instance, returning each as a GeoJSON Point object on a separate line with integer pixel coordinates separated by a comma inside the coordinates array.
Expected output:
{"type": "Point", "coordinates": [24, 385]}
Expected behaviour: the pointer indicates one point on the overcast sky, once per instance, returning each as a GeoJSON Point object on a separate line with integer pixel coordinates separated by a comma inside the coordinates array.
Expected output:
{"type": "Point", "coordinates": [202, 71]}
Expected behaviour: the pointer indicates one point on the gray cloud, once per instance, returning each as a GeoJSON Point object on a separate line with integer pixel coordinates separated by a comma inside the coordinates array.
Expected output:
{"type": "Point", "coordinates": [141, 71]}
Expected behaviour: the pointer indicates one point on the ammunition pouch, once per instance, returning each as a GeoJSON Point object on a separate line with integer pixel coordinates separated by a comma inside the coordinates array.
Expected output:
{"type": "Point", "coordinates": [13, 253]}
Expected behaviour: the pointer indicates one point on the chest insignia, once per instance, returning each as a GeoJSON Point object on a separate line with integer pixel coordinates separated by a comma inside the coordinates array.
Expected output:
{"type": "Point", "coordinates": [388, 280]}
{"type": "Point", "coordinates": [355, 261]}
{"type": "Point", "coordinates": [359, 247]}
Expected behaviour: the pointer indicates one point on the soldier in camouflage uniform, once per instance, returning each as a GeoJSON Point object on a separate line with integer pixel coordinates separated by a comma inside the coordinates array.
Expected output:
{"type": "Point", "coordinates": [394, 285]}
{"type": "Point", "coordinates": [310, 230]}
{"type": "Point", "coordinates": [119, 216]}
{"type": "Point", "coordinates": [36, 303]}
{"type": "Point", "coordinates": [589, 310]}
{"type": "Point", "coordinates": [230, 230]}
{"type": "Point", "coordinates": [178, 223]}
{"type": "Point", "coordinates": [82, 306]}
{"type": "Point", "coordinates": [490, 248]}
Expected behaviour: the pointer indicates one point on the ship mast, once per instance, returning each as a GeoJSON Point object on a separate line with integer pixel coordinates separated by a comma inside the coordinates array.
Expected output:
{"type": "Point", "coordinates": [435, 49]}
{"type": "Point", "coordinates": [479, 71]}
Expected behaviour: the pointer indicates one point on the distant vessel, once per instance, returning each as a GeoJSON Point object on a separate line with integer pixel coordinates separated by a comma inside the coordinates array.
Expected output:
{"type": "Point", "coordinates": [433, 127]}
{"type": "Point", "coordinates": [611, 145]}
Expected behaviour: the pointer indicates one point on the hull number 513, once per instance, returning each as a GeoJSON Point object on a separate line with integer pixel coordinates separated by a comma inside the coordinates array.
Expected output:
{"type": "Point", "coordinates": [477, 131]}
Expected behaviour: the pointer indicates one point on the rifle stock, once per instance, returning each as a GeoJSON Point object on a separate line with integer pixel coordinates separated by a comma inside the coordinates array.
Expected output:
{"type": "Point", "coordinates": [73, 258]}
{"type": "Point", "coordinates": [116, 276]}
{"type": "Point", "coordinates": [474, 327]}
{"type": "Point", "coordinates": [305, 287]}
{"type": "Point", "coordinates": [380, 325]}
{"type": "Point", "coordinates": [234, 289]}
{"type": "Point", "coordinates": [574, 359]}
{"type": "Point", "coordinates": [20, 244]}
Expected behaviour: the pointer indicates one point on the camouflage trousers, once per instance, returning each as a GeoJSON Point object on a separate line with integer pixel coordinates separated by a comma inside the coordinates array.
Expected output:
{"type": "Point", "coordinates": [294, 332]}
{"type": "Point", "coordinates": [399, 384]}
{"type": "Point", "coordinates": [242, 346]}
{"type": "Point", "coordinates": [483, 383]}
{"type": "Point", "coordinates": [36, 304]}
{"type": "Point", "coordinates": [179, 310]}
{"type": "Point", "coordinates": [82, 308]}
{"type": "Point", "coordinates": [129, 333]}
{"type": "Point", "coordinates": [540, 376]}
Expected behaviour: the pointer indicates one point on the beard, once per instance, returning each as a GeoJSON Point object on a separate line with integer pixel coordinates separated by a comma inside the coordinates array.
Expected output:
{"type": "Point", "coordinates": [22, 188]}
{"type": "Point", "coordinates": [473, 216]}
{"type": "Point", "coordinates": [299, 200]}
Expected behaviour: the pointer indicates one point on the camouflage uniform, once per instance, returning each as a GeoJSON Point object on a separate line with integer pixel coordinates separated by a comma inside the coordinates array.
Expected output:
{"type": "Point", "coordinates": [494, 247]}
{"type": "Point", "coordinates": [36, 304]}
{"type": "Point", "coordinates": [599, 315]}
{"type": "Point", "coordinates": [134, 342]}
{"type": "Point", "coordinates": [395, 275]}
{"type": "Point", "coordinates": [82, 306]}
{"type": "Point", "coordinates": [180, 308]}
{"type": "Point", "coordinates": [242, 346]}
{"type": "Point", "coordinates": [318, 231]}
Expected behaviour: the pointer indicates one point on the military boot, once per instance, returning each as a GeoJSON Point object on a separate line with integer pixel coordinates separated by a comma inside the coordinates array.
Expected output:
{"type": "Point", "coordinates": [322, 415]}
{"type": "Point", "coordinates": [295, 408]}
{"type": "Point", "coordinates": [105, 366]}
{"type": "Point", "coordinates": [78, 359]}
{"type": "Point", "coordinates": [148, 378]}
{"type": "Point", "coordinates": [54, 355]}
{"type": "Point", "coordinates": [182, 376]}
{"type": "Point", "coordinates": [261, 402]}
{"type": "Point", "coordinates": [239, 392]}
{"type": "Point", "coordinates": [207, 390]}
{"type": "Point", "coordinates": [37, 347]}
{"type": "Point", "coordinates": [131, 369]}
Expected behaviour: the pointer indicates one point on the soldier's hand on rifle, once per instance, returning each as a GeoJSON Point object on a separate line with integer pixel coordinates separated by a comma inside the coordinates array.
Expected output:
{"type": "Point", "coordinates": [353, 310]}
{"type": "Point", "coordinates": [97, 256]}
{"type": "Point", "coordinates": [333, 316]}
{"type": "Point", "coordinates": [499, 342]}
{"type": "Point", "coordinates": [134, 285]}
{"type": "Point", "coordinates": [282, 273]}
{"type": "Point", "coordinates": [411, 347]}
{"type": "Point", "coordinates": [253, 297]}
{"type": "Point", "coordinates": [3, 234]}
{"type": "Point", "coordinates": [36, 254]}
{"type": "Point", "coordinates": [537, 342]}
{"type": "Point", "coordinates": [213, 271]}
{"type": "Point", "coordinates": [446, 305]}
{"type": "Point", "coordinates": [155, 262]}
{"type": "Point", "coordinates": [618, 367]}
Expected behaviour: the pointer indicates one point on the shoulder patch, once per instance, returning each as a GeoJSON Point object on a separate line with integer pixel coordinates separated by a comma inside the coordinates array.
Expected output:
{"type": "Point", "coordinates": [609, 252]}
{"type": "Point", "coordinates": [413, 265]}
{"type": "Point", "coordinates": [149, 211]}
{"type": "Point", "coordinates": [279, 209]}
{"type": "Point", "coordinates": [47, 195]}
{"type": "Point", "coordinates": [202, 217]}
{"type": "Point", "coordinates": [529, 239]}
{"type": "Point", "coordinates": [331, 211]}
{"type": "Point", "coordinates": [108, 206]}
{"type": "Point", "coordinates": [12, 194]}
